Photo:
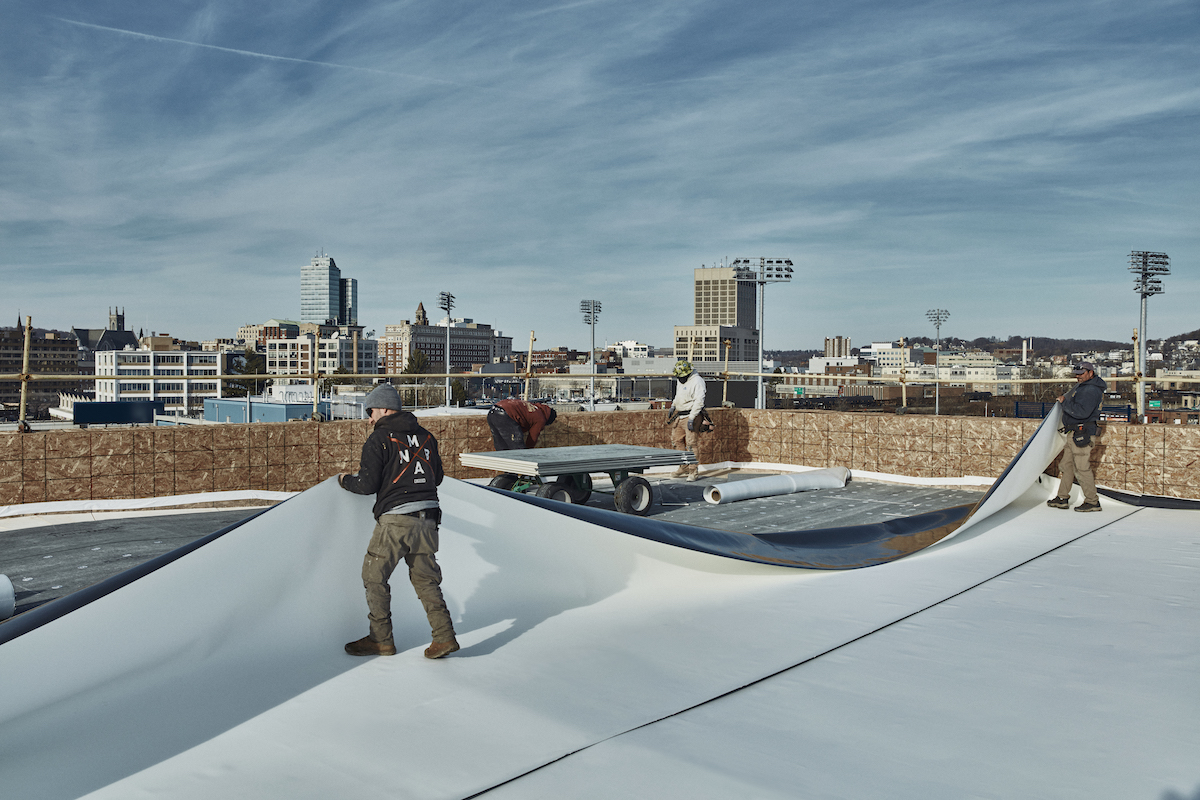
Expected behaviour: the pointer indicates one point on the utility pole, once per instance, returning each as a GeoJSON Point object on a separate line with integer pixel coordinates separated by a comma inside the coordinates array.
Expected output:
{"type": "Point", "coordinates": [529, 366]}
{"type": "Point", "coordinates": [1148, 269]}
{"type": "Point", "coordinates": [725, 387]}
{"type": "Point", "coordinates": [25, 374]}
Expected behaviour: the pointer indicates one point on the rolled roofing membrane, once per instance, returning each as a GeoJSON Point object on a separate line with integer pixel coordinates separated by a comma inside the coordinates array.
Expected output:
{"type": "Point", "coordinates": [8, 598]}
{"type": "Point", "coordinates": [774, 485]}
{"type": "Point", "coordinates": [221, 673]}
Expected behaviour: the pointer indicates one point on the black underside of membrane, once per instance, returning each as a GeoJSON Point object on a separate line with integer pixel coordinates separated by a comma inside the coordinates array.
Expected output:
{"type": "Point", "coordinates": [37, 617]}
{"type": "Point", "coordinates": [1151, 500]}
{"type": "Point", "coordinates": [849, 547]}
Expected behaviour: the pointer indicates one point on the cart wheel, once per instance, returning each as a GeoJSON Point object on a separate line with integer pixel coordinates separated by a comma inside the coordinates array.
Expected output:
{"type": "Point", "coordinates": [505, 481]}
{"type": "Point", "coordinates": [634, 496]}
{"type": "Point", "coordinates": [556, 491]}
{"type": "Point", "coordinates": [580, 486]}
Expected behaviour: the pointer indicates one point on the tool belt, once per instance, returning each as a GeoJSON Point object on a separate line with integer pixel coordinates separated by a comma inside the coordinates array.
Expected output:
{"type": "Point", "coordinates": [704, 422]}
{"type": "Point", "coordinates": [434, 514]}
{"type": "Point", "coordinates": [1082, 433]}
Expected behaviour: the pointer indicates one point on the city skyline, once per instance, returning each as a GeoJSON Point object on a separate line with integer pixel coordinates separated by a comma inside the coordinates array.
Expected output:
{"type": "Point", "coordinates": [996, 160]}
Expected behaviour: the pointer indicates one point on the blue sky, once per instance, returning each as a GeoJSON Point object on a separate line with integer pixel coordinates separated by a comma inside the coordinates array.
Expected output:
{"type": "Point", "coordinates": [1000, 160]}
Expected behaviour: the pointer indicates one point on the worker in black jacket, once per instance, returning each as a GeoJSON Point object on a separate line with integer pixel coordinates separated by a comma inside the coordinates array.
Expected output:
{"type": "Point", "coordinates": [1080, 415]}
{"type": "Point", "coordinates": [400, 465]}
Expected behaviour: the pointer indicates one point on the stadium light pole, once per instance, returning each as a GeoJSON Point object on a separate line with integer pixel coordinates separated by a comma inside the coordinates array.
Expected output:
{"type": "Point", "coordinates": [937, 316]}
{"type": "Point", "coordinates": [1148, 269]}
{"type": "Point", "coordinates": [762, 271]}
{"type": "Point", "coordinates": [591, 313]}
{"type": "Point", "coordinates": [446, 302]}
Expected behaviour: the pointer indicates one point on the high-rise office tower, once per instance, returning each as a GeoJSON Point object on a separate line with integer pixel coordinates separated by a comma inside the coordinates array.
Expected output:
{"type": "Point", "coordinates": [837, 347]}
{"type": "Point", "coordinates": [721, 299]}
{"type": "Point", "coordinates": [325, 296]}
{"type": "Point", "coordinates": [348, 302]}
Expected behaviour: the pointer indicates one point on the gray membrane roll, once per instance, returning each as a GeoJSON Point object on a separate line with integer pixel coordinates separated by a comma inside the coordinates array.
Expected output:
{"type": "Point", "coordinates": [8, 598]}
{"type": "Point", "coordinates": [771, 485]}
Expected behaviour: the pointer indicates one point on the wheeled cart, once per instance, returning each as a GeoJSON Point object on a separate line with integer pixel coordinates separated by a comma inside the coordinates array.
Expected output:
{"type": "Point", "coordinates": [565, 473]}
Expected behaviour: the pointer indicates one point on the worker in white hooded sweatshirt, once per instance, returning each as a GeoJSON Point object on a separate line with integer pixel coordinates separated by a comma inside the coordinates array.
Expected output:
{"type": "Point", "coordinates": [684, 417]}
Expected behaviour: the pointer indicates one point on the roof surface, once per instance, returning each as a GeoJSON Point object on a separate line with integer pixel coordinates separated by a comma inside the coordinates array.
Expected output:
{"type": "Point", "coordinates": [1039, 653]}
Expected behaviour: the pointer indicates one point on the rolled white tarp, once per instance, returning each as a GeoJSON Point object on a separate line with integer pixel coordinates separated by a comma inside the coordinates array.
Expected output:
{"type": "Point", "coordinates": [8, 598]}
{"type": "Point", "coordinates": [771, 485]}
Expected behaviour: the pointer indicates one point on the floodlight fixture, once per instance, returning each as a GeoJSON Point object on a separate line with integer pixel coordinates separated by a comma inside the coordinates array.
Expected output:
{"type": "Point", "coordinates": [591, 311]}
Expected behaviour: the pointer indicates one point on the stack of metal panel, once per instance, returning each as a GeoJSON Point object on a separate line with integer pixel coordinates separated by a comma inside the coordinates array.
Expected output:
{"type": "Point", "coordinates": [573, 460]}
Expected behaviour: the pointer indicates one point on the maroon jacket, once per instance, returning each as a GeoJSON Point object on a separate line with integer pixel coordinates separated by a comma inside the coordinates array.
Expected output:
{"type": "Point", "coordinates": [532, 417]}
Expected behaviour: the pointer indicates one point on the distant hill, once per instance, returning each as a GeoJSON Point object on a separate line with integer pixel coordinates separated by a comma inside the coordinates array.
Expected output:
{"type": "Point", "coordinates": [1042, 346]}
{"type": "Point", "coordinates": [1183, 337]}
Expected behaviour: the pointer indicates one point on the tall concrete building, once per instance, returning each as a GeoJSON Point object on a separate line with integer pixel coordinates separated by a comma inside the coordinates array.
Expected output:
{"type": "Point", "coordinates": [724, 310]}
{"type": "Point", "coordinates": [837, 347]}
{"type": "Point", "coordinates": [325, 295]}
{"type": "Point", "coordinates": [720, 299]}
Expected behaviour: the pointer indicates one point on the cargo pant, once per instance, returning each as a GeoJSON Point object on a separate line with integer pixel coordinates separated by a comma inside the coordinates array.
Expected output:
{"type": "Point", "coordinates": [415, 540]}
{"type": "Point", "coordinates": [683, 439]}
{"type": "Point", "coordinates": [1076, 463]}
{"type": "Point", "coordinates": [506, 431]}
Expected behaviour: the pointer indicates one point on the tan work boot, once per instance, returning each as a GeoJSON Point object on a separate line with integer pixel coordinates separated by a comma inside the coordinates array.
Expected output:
{"type": "Point", "coordinates": [367, 646]}
{"type": "Point", "coordinates": [679, 472]}
{"type": "Point", "coordinates": [439, 649]}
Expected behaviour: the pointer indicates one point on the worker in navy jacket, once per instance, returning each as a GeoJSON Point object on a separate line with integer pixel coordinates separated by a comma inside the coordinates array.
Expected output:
{"type": "Point", "coordinates": [1080, 415]}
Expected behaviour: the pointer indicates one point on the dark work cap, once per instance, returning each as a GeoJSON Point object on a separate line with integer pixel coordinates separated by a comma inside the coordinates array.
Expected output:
{"type": "Point", "coordinates": [1084, 366]}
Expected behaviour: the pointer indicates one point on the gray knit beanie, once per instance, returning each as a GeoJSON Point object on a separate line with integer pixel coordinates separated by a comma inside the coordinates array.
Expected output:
{"type": "Point", "coordinates": [383, 396]}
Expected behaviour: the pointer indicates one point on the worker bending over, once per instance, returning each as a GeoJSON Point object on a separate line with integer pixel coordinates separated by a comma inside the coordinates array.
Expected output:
{"type": "Point", "coordinates": [516, 424]}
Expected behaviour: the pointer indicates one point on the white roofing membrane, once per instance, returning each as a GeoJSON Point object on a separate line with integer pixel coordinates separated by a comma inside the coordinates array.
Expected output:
{"type": "Point", "coordinates": [1043, 653]}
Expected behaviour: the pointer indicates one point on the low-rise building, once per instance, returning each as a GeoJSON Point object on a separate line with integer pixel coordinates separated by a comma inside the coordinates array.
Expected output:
{"type": "Point", "coordinates": [819, 366]}
{"type": "Point", "coordinates": [633, 349]}
{"type": "Point", "coordinates": [50, 352]}
{"type": "Point", "coordinates": [700, 343]}
{"type": "Point", "coordinates": [306, 354]}
{"type": "Point", "coordinates": [1183, 379]}
{"type": "Point", "coordinates": [470, 343]}
{"type": "Point", "coordinates": [182, 379]}
{"type": "Point", "coordinates": [258, 335]}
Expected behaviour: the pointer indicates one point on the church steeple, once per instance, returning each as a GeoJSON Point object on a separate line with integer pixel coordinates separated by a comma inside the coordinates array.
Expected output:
{"type": "Point", "coordinates": [422, 317]}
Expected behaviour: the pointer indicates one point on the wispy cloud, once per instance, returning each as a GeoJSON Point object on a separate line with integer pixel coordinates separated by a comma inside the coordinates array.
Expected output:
{"type": "Point", "coordinates": [268, 56]}
{"type": "Point", "coordinates": [900, 154]}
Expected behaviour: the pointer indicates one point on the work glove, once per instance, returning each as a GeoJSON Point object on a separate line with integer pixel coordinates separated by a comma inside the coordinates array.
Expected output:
{"type": "Point", "coordinates": [690, 421]}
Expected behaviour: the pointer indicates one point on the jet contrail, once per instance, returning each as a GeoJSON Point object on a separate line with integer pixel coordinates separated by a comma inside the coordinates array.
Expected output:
{"type": "Point", "coordinates": [270, 57]}
{"type": "Point", "coordinates": [555, 9]}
